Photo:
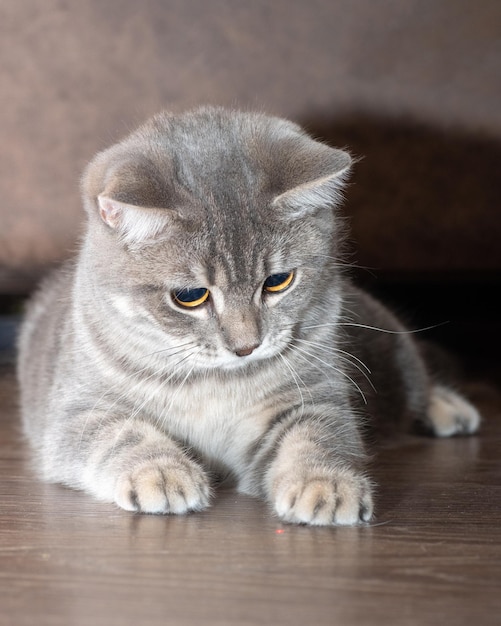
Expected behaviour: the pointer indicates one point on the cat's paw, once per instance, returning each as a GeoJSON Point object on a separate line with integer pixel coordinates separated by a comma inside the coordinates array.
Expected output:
{"type": "Point", "coordinates": [450, 414]}
{"type": "Point", "coordinates": [163, 485]}
{"type": "Point", "coordinates": [322, 497]}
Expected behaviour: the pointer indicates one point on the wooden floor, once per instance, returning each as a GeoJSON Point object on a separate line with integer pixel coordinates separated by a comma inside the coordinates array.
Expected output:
{"type": "Point", "coordinates": [432, 556]}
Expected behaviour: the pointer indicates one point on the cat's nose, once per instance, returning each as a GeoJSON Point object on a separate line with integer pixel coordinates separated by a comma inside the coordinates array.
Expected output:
{"type": "Point", "coordinates": [246, 350]}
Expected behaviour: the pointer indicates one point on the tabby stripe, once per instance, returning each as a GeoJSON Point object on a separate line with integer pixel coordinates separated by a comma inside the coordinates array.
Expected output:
{"type": "Point", "coordinates": [331, 435]}
{"type": "Point", "coordinates": [262, 453]}
{"type": "Point", "coordinates": [128, 440]}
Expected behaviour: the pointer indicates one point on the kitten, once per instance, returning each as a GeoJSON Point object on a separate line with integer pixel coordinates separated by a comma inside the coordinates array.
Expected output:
{"type": "Point", "coordinates": [208, 328]}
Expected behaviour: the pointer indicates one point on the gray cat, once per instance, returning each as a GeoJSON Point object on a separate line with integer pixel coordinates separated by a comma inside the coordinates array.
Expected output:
{"type": "Point", "coordinates": [208, 329]}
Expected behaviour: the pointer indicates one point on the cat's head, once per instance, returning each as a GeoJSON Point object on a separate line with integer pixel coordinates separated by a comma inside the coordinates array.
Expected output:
{"type": "Point", "coordinates": [216, 228]}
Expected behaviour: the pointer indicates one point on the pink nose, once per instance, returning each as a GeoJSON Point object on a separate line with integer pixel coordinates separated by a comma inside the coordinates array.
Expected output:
{"type": "Point", "coordinates": [246, 350]}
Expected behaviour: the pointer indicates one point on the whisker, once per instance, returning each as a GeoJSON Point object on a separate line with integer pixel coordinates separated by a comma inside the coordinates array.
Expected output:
{"type": "Point", "coordinates": [179, 387]}
{"type": "Point", "coordinates": [382, 330]}
{"type": "Point", "coordinates": [328, 348]}
{"type": "Point", "coordinates": [139, 382]}
{"type": "Point", "coordinates": [137, 409]}
{"type": "Point", "coordinates": [178, 349]}
{"type": "Point", "coordinates": [346, 359]}
{"type": "Point", "coordinates": [396, 332]}
{"type": "Point", "coordinates": [336, 369]}
{"type": "Point", "coordinates": [296, 377]}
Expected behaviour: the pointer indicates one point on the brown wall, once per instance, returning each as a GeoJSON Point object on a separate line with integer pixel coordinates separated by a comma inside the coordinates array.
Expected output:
{"type": "Point", "coordinates": [411, 85]}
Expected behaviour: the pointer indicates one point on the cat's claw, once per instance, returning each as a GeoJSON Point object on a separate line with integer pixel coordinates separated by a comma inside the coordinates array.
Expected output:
{"type": "Point", "coordinates": [163, 486]}
{"type": "Point", "coordinates": [327, 497]}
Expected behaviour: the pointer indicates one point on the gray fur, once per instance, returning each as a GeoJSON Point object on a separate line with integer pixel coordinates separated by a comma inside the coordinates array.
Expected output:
{"type": "Point", "coordinates": [136, 401]}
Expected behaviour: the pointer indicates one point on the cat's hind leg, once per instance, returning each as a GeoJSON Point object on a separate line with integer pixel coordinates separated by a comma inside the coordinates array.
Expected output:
{"type": "Point", "coordinates": [450, 414]}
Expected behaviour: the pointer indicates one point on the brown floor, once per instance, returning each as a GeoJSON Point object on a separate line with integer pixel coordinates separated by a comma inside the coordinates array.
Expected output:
{"type": "Point", "coordinates": [433, 555]}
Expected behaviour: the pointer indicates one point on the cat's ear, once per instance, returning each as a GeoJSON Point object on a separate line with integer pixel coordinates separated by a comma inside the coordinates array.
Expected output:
{"type": "Point", "coordinates": [133, 223]}
{"type": "Point", "coordinates": [316, 175]}
{"type": "Point", "coordinates": [130, 196]}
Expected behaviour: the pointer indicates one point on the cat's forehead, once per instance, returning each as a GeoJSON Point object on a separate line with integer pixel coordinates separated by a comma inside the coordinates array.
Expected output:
{"type": "Point", "coordinates": [208, 131]}
{"type": "Point", "coordinates": [225, 268]}
{"type": "Point", "coordinates": [217, 153]}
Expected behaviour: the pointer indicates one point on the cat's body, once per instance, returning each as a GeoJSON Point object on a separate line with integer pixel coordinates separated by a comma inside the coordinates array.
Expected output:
{"type": "Point", "coordinates": [208, 328]}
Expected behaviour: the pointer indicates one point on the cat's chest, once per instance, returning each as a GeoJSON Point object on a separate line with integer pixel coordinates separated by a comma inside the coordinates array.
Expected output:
{"type": "Point", "coordinates": [221, 419]}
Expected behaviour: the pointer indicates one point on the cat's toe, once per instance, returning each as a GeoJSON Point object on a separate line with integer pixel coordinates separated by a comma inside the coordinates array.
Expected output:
{"type": "Point", "coordinates": [161, 486]}
{"type": "Point", "coordinates": [335, 497]}
{"type": "Point", "coordinates": [450, 414]}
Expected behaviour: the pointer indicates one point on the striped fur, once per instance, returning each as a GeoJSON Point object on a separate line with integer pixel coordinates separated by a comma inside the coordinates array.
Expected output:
{"type": "Point", "coordinates": [140, 402]}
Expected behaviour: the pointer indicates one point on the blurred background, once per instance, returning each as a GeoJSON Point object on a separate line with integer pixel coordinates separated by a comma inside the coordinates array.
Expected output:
{"type": "Point", "coordinates": [413, 87]}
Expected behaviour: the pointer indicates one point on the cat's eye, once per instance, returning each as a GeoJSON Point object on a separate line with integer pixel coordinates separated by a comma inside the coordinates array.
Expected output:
{"type": "Point", "coordinates": [190, 298]}
{"type": "Point", "coordinates": [278, 282]}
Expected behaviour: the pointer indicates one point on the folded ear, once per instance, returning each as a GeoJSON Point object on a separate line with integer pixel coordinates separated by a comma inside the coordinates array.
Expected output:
{"type": "Point", "coordinates": [133, 223]}
{"type": "Point", "coordinates": [130, 196]}
{"type": "Point", "coordinates": [315, 176]}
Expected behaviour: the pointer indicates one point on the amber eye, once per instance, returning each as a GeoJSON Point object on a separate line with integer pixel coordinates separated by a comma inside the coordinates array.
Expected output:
{"type": "Point", "coordinates": [190, 298]}
{"type": "Point", "coordinates": [278, 282]}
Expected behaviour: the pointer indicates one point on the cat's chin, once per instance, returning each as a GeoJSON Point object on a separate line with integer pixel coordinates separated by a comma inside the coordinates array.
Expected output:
{"type": "Point", "coordinates": [234, 363]}
{"type": "Point", "coordinates": [237, 363]}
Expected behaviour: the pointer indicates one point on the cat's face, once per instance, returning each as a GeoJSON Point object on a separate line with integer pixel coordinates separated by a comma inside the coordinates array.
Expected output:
{"type": "Point", "coordinates": [229, 305]}
{"type": "Point", "coordinates": [215, 234]}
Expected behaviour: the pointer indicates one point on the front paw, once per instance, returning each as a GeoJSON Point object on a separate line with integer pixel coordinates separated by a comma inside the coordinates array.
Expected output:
{"type": "Point", "coordinates": [322, 497]}
{"type": "Point", "coordinates": [163, 485]}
